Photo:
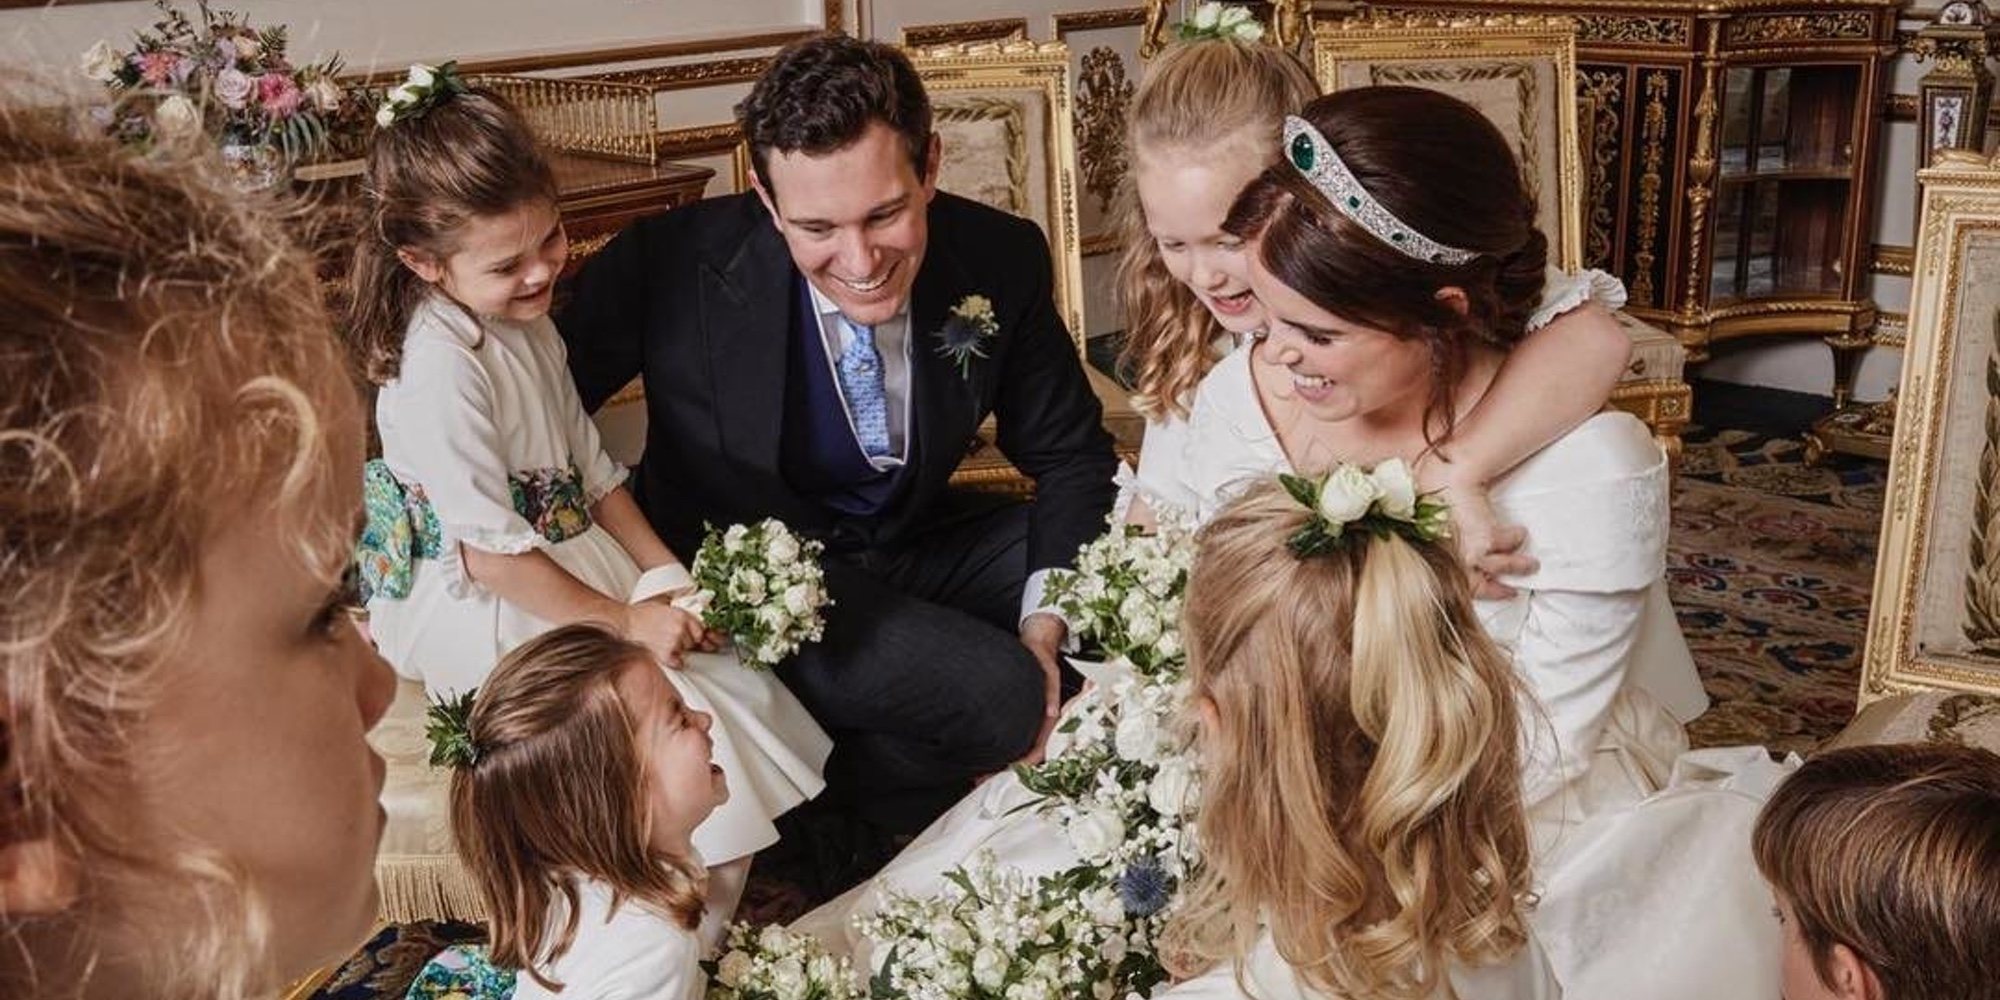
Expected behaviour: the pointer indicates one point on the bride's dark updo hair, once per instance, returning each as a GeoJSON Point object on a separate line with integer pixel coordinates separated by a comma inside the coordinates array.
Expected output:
{"type": "Point", "coordinates": [1442, 168]}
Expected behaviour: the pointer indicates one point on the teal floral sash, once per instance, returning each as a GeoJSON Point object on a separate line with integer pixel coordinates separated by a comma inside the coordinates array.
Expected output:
{"type": "Point", "coordinates": [403, 527]}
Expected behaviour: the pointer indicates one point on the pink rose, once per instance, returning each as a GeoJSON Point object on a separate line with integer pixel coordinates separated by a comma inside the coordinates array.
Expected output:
{"type": "Point", "coordinates": [233, 88]}
{"type": "Point", "coordinates": [157, 68]}
{"type": "Point", "coordinates": [279, 93]}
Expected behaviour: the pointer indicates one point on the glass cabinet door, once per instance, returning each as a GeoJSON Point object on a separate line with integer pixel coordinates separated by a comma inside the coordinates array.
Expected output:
{"type": "Point", "coordinates": [1785, 170]}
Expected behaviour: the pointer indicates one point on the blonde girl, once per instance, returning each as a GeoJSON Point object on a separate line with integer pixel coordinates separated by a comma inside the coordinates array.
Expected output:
{"type": "Point", "coordinates": [1204, 123]}
{"type": "Point", "coordinates": [494, 512]}
{"type": "Point", "coordinates": [187, 803]}
{"type": "Point", "coordinates": [579, 779]}
{"type": "Point", "coordinates": [1361, 821]}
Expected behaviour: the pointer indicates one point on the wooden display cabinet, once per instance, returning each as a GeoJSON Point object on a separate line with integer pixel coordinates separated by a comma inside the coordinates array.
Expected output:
{"type": "Point", "coordinates": [1729, 159]}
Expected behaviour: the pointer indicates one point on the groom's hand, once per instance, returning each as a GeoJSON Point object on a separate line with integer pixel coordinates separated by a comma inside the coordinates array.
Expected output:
{"type": "Point", "coordinates": [1043, 634]}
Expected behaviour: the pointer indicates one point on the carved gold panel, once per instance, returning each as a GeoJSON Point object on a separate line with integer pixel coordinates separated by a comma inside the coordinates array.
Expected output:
{"type": "Point", "coordinates": [1519, 70]}
{"type": "Point", "coordinates": [1935, 621]}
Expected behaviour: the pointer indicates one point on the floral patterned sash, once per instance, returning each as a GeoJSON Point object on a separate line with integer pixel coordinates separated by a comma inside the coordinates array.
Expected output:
{"type": "Point", "coordinates": [403, 527]}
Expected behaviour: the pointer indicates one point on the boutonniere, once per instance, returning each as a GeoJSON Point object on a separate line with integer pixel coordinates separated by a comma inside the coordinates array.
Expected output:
{"type": "Point", "coordinates": [967, 328]}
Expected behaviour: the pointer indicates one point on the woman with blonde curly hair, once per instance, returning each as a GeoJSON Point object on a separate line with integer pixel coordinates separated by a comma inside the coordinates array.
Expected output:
{"type": "Point", "coordinates": [187, 804]}
{"type": "Point", "coordinates": [1361, 821]}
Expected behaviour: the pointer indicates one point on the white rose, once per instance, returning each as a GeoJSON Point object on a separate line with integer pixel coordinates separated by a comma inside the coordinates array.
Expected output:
{"type": "Point", "coordinates": [1232, 15]}
{"type": "Point", "coordinates": [1207, 15]}
{"type": "Point", "coordinates": [421, 75]}
{"type": "Point", "coordinates": [1249, 32]}
{"type": "Point", "coordinates": [1137, 739]}
{"type": "Point", "coordinates": [771, 938]}
{"type": "Point", "coordinates": [1097, 834]}
{"type": "Point", "coordinates": [1398, 490]}
{"type": "Point", "coordinates": [748, 585]}
{"type": "Point", "coordinates": [788, 979]}
{"type": "Point", "coordinates": [1346, 495]}
{"type": "Point", "coordinates": [798, 599]}
{"type": "Point", "coordinates": [385, 116]}
{"type": "Point", "coordinates": [732, 968]}
{"type": "Point", "coordinates": [402, 96]}
{"type": "Point", "coordinates": [101, 62]}
{"type": "Point", "coordinates": [732, 539]}
{"type": "Point", "coordinates": [1143, 630]}
{"type": "Point", "coordinates": [177, 116]}
{"type": "Point", "coordinates": [783, 549]}
{"type": "Point", "coordinates": [1169, 644]}
{"type": "Point", "coordinates": [989, 968]}
{"type": "Point", "coordinates": [1171, 792]}
{"type": "Point", "coordinates": [326, 95]}
{"type": "Point", "coordinates": [823, 969]}
{"type": "Point", "coordinates": [1105, 907]}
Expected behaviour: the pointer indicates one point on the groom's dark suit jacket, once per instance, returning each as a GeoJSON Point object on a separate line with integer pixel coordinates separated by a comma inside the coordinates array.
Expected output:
{"type": "Point", "coordinates": [703, 302]}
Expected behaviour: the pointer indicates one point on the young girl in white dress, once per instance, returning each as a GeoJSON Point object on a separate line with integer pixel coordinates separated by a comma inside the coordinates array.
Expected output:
{"type": "Point", "coordinates": [579, 778]}
{"type": "Point", "coordinates": [1361, 823]}
{"type": "Point", "coordinates": [494, 513]}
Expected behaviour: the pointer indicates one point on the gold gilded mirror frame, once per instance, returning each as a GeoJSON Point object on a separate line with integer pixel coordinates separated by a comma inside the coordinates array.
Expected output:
{"type": "Point", "coordinates": [1934, 623]}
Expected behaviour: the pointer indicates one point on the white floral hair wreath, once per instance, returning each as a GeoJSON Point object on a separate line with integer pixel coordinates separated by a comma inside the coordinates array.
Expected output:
{"type": "Point", "coordinates": [425, 88]}
{"type": "Point", "coordinates": [1351, 502]}
{"type": "Point", "coordinates": [1218, 20]}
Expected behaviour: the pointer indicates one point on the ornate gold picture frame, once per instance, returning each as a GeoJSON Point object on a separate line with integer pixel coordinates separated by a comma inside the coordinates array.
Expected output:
{"type": "Point", "coordinates": [1935, 619]}
{"type": "Point", "coordinates": [1003, 112]}
{"type": "Point", "coordinates": [1520, 70]}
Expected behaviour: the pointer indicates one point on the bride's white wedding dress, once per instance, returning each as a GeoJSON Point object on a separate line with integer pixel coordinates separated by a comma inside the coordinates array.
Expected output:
{"type": "Point", "coordinates": [1643, 865]}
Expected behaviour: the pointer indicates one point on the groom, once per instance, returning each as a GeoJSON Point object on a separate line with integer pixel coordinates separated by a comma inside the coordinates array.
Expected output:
{"type": "Point", "coordinates": [822, 351]}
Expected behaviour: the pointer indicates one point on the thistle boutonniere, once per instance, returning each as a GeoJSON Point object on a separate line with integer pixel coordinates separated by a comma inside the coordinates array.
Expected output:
{"type": "Point", "coordinates": [967, 328]}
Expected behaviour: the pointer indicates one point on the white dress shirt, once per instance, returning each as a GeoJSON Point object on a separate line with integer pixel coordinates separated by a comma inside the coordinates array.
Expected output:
{"type": "Point", "coordinates": [892, 341]}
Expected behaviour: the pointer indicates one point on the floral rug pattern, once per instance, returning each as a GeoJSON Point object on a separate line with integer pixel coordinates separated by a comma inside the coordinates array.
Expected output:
{"type": "Point", "coordinates": [1770, 569]}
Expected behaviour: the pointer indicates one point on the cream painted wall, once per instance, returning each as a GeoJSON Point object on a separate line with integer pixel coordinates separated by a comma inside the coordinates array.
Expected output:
{"type": "Point", "coordinates": [390, 33]}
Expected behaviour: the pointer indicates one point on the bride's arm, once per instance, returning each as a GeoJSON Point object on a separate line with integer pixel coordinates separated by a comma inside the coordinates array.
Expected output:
{"type": "Point", "coordinates": [1555, 379]}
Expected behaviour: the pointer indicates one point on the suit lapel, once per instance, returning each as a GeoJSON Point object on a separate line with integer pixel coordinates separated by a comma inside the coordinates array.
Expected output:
{"type": "Point", "coordinates": [746, 320]}
{"type": "Point", "coordinates": [942, 399]}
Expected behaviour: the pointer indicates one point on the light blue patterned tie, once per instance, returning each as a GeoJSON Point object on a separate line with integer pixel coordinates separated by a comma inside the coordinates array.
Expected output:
{"type": "Point", "coordinates": [861, 382]}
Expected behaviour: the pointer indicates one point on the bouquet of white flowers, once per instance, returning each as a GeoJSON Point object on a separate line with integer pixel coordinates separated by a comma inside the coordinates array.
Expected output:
{"type": "Point", "coordinates": [775, 964]}
{"type": "Point", "coordinates": [998, 935]}
{"type": "Point", "coordinates": [1124, 596]}
{"type": "Point", "coordinates": [762, 586]}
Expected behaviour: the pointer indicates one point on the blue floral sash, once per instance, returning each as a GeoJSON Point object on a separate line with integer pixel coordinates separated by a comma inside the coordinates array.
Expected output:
{"type": "Point", "coordinates": [403, 527]}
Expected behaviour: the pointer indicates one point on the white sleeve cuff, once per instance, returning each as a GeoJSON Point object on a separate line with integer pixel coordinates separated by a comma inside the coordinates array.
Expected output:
{"type": "Point", "coordinates": [1031, 604]}
{"type": "Point", "coordinates": [660, 580]}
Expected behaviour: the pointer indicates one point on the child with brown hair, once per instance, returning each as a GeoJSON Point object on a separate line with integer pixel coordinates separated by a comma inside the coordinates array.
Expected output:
{"type": "Point", "coordinates": [579, 778]}
{"type": "Point", "coordinates": [187, 803]}
{"type": "Point", "coordinates": [494, 512]}
{"type": "Point", "coordinates": [1885, 861]}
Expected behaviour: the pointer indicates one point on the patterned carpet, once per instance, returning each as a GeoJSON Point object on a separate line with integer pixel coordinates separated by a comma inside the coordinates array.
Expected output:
{"type": "Point", "coordinates": [1770, 569]}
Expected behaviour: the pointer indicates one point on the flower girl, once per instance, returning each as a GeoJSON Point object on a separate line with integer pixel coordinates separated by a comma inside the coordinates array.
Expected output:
{"type": "Point", "coordinates": [1361, 821]}
{"type": "Point", "coordinates": [494, 513]}
{"type": "Point", "coordinates": [594, 887]}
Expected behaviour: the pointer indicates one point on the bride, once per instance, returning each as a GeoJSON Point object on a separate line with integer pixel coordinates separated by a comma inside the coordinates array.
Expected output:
{"type": "Point", "coordinates": [1397, 266]}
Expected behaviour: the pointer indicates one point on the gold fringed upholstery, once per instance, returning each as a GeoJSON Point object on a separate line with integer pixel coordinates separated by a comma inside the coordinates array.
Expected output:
{"type": "Point", "coordinates": [426, 888]}
{"type": "Point", "coordinates": [417, 869]}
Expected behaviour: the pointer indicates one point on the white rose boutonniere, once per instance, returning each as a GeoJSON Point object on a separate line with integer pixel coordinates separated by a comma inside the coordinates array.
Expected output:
{"type": "Point", "coordinates": [967, 328]}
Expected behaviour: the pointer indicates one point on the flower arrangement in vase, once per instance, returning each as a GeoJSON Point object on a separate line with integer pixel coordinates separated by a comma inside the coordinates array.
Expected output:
{"type": "Point", "coordinates": [215, 75]}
